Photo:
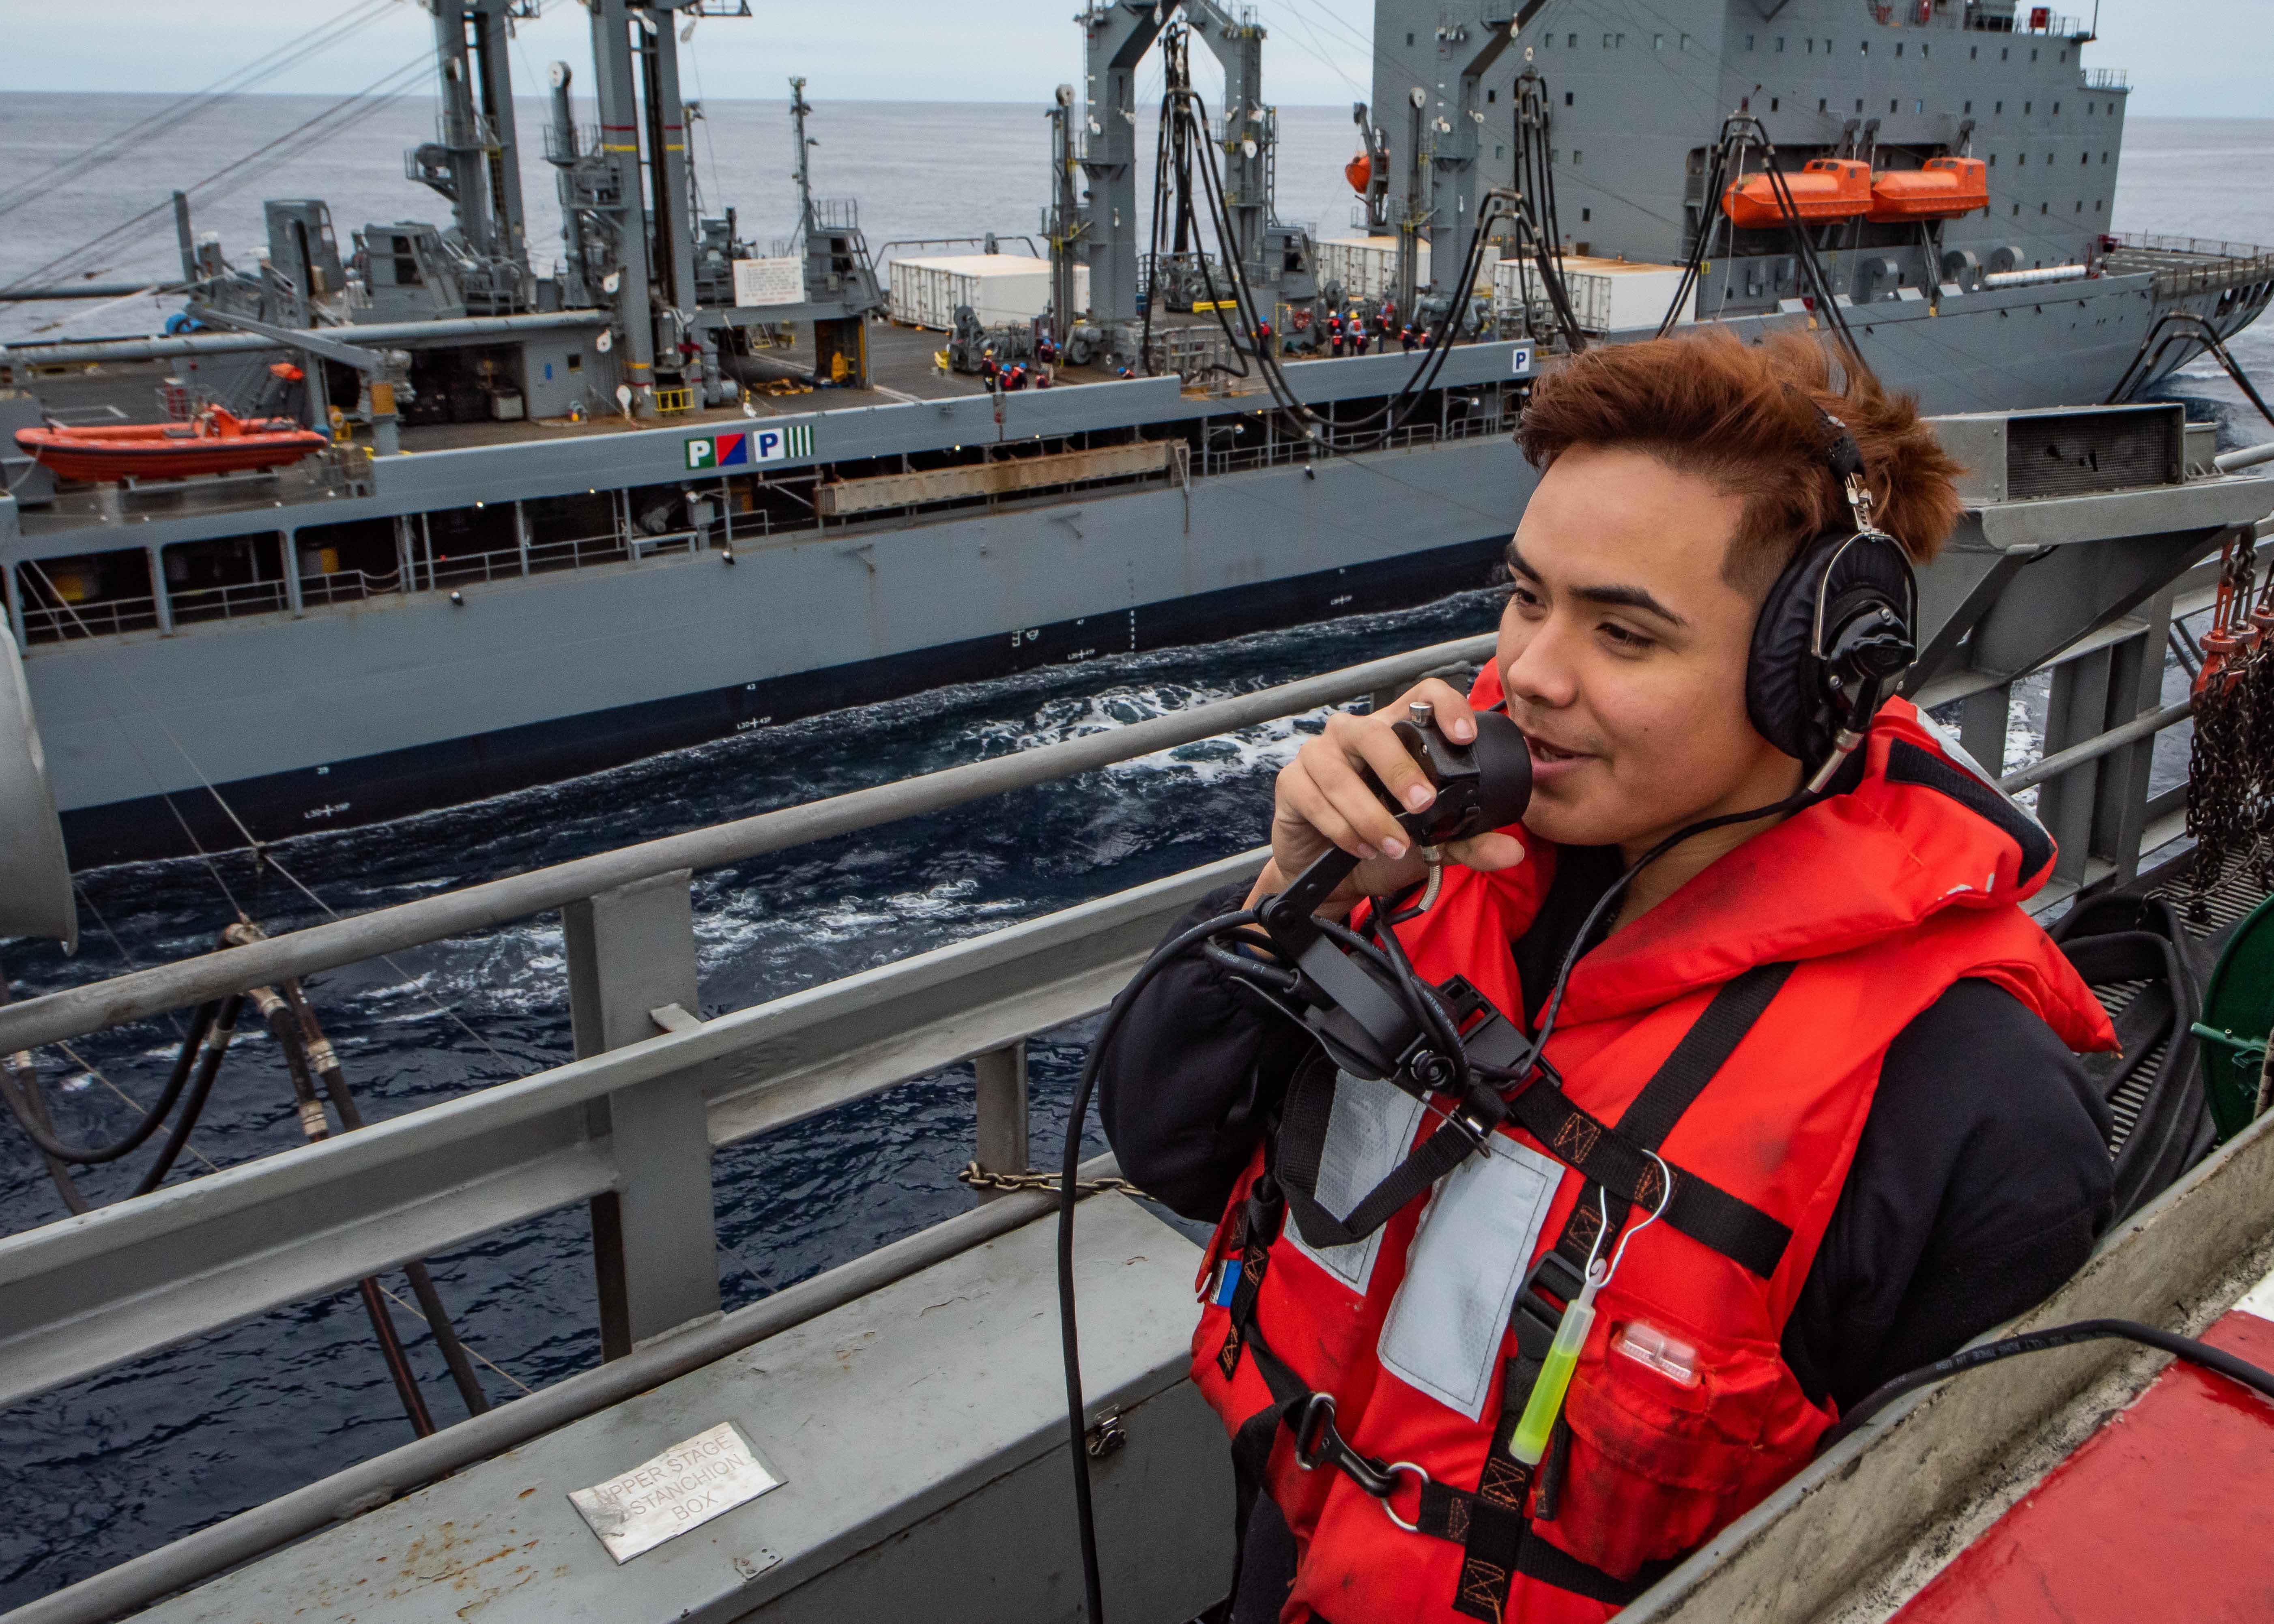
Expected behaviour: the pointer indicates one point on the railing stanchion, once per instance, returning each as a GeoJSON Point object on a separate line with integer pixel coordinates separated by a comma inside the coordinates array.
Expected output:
{"type": "Point", "coordinates": [1983, 719]}
{"type": "Point", "coordinates": [2135, 689]}
{"type": "Point", "coordinates": [631, 954]}
{"type": "Point", "coordinates": [2077, 711]}
{"type": "Point", "coordinates": [1001, 1075]}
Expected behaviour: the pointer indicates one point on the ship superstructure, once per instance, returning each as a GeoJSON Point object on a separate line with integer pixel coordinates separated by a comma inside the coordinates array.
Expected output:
{"type": "Point", "coordinates": [683, 489]}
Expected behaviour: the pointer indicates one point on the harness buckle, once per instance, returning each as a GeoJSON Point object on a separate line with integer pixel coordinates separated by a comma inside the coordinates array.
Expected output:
{"type": "Point", "coordinates": [1393, 1468]}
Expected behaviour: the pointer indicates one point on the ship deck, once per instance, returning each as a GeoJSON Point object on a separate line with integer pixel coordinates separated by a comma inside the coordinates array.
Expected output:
{"type": "Point", "coordinates": [902, 364]}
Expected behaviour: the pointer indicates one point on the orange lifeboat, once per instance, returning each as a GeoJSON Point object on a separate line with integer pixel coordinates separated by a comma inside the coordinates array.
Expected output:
{"type": "Point", "coordinates": [1359, 172]}
{"type": "Point", "coordinates": [1826, 188]}
{"type": "Point", "coordinates": [216, 441]}
{"type": "Point", "coordinates": [1943, 190]}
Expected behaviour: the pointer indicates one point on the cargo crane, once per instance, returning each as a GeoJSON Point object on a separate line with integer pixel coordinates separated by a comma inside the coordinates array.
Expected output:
{"type": "Point", "coordinates": [1278, 259]}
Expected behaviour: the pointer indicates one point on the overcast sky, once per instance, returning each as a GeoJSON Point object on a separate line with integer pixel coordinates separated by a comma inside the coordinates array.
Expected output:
{"type": "Point", "coordinates": [2204, 57]}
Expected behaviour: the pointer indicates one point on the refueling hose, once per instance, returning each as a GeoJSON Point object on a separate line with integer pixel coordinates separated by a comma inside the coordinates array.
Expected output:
{"type": "Point", "coordinates": [214, 1029]}
{"type": "Point", "coordinates": [92, 1155]}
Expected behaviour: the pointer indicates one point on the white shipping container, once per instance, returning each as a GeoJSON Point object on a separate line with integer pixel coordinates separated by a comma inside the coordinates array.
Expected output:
{"type": "Point", "coordinates": [1608, 296]}
{"type": "Point", "coordinates": [1366, 267]}
{"type": "Point", "coordinates": [999, 289]}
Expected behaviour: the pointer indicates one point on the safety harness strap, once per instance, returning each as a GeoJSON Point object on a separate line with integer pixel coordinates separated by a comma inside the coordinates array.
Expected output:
{"type": "Point", "coordinates": [1303, 1122]}
{"type": "Point", "coordinates": [1619, 1161]}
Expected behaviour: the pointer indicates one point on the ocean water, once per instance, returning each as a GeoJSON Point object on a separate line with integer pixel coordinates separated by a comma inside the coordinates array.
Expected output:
{"type": "Point", "coordinates": [125, 1461]}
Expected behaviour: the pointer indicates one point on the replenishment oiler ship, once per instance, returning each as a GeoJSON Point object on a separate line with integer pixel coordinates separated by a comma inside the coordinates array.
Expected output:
{"type": "Point", "coordinates": [888, 1436]}
{"type": "Point", "coordinates": [530, 525]}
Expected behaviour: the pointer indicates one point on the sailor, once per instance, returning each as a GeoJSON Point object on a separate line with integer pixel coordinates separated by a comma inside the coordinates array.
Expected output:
{"type": "Point", "coordinates": [1357, 334]}
{"type": "Point", "coordinates": [1405, 338]}
{"type": "Point", "coordinates": [989, 371]}
{"type": "Point", "coordinates": [1815, 1117]}
{"type": "Point", "coordinates": [1335, 333]}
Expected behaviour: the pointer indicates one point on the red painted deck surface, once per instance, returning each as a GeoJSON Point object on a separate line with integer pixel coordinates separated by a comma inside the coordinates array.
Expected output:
{"type": "Point", "coordinates": [2168, 1512]}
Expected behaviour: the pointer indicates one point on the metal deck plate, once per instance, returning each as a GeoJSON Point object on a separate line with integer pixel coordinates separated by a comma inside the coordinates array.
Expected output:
{"type": "Point", "coordinates": [920, 1433]}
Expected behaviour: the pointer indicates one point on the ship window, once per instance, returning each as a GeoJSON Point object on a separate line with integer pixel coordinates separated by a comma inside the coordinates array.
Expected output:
{"type": "Point", "coordinates": [575, 361]}
{"type": "Point", "coordinates": [1969, 107]}
{"type": "Point", "coordinates": [1575, 157]}
{"type": "Point", "coordinates": [1993, 161]}
{"type": "Point", "coordinates": [2002, 107]}
{"type": "Point", "coordinates": [1823, 104]}
{"type": "Point", "coordinates": [1685, 42]}
{"type": "Point", "coordinates": [1918, 106]}
{"type": "Point", "coordinates": [2045, 208]}
{"type": "Point", "coordinates": [2104, 157]}
{"type": "Point", "coordinates": [1657, 41]}
{"type": "Point", "coordinates": [2028, 108]}
{"type": "Point", "coordinates": [1749, 42]}
{"type": "Point", "coordinates": [86, 595]}
{"type": "Point", "coordinates": [1492, 95]}
{"type": "Point", "coordinates": [1780, 41]}
{"type": "Point", "coordinates": [2056, 106]}
{"type": "Point", "coordinates": [1499, 151]}
{"type": "Point", "coordinates": [2003, 53]}
{"type": "Point", "coordinates": [1899, 49]}
{"type": "Point", "coordinates": [1773, 104]}
{"type": "Point", "coordinates": [1859, 104]}
{"type": "Point", "coordinates": [1926, 50]}
{"type": "Point", "coordinates": [2084, 157]}
{"type": "Point", "coordinates": [1571, 41]}
{"type": "Point", "coordinates": [2079, 205]}
{"type": "Point", "coordinates": [2017, 209]}
{"type": "Point", "coordinates": [1567, 98]}
{"type": "Point", "coordinates": [1585, 215]}
{"type": "Point", "coordinates": [1891, 104]}
{"type": "Point", "coordinates": [2096, 205]}
{"type": "Point", "coordinates": [2033, 53]}
{"type": "Point", "coordinates": [1866, 47]}
{"type": "Point", "coordinates": [1974, 53]}
{"type": "Point", "coordinates": [1812, 48]}
{"type": "Point", "coordinates": [2023, 159]}
{"type": "Point", "coordinates": [1409, 39]}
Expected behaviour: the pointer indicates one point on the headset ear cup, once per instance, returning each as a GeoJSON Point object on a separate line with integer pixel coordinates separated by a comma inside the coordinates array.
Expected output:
{"type": "Point", "coordinates": [1787, 697]}
{"type": "Point", "coordinates": [1780, 691]}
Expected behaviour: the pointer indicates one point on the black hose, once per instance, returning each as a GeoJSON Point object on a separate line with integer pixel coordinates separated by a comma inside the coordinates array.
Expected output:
{"type": "Point", "coordinates": [19, 1085]}
{"type": "Point", "coordinates": [324, 1060]}
{"type": "Point", "coordinates": [216, 1030]}
{"type": "Point", "coordinates": [2187, 1348]}
{"type": "Point", "coordinates": [93, 1155]}
{"type": "Point", "coordinates": [398, 1363]}
{"type": "Point", "coordinates": [1077, 1425]}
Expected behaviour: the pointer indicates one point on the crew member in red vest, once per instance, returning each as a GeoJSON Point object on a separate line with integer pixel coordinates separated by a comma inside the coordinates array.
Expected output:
{"type": "Point", "coordinates": [1817, 1117]}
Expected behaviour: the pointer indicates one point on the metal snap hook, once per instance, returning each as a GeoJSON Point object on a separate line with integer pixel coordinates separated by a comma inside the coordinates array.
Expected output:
{"type": "Point", "coordinates": [1314, 1426]}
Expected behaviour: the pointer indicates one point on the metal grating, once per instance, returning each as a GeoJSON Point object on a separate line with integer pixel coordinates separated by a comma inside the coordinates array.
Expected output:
{"type": "Point", "coordinates": [2069, 453]}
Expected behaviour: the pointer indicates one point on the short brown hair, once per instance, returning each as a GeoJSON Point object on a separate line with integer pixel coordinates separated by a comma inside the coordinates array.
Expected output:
{"type": "Point", "coordinates": [1746, 417]}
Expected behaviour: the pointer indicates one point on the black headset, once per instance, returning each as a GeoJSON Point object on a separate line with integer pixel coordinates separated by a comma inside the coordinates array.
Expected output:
{"type": "Point", "coordinates": [1835, 633]}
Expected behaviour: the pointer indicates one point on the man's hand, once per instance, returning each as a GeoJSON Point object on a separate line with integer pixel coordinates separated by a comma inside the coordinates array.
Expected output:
{"type": "Point", "coordinates": [1322, 800]}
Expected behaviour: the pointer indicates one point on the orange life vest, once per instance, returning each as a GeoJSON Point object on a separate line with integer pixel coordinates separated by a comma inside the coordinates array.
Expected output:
{"type": "Point", "coordinates": [1766, 990]}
